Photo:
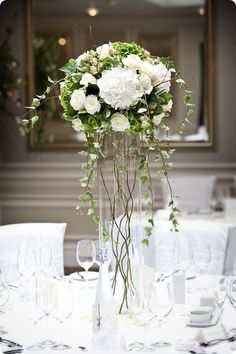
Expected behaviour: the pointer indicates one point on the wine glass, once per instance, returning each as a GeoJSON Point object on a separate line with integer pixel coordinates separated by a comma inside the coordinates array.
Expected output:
{"type": "Point", "coordinates": [160, 304]}
{"type": "Point", "coordinates": [4, 296]}
{"type": "Point", "coordinates": [182, 254]}
{"type": "Point", "coordinates": [86, 255]}
{"type": "Point", "coordinates": [46, 298]}
{"type": "Point", "coordinates": [138, 302]}
{"type": "Point", "coordinates": [231, 292]}
{"type": "Point", "coordinates": [27, 263]}
{"type": "Point", "coordinates": [45, 260]}
{"type": "Point", "coordinates": [202, 256]}
{"type": "Point", "coordinates": [220, 292]}
{"type": "Point", "coordinates": [34, 313]}
{"type": "Point", "coordinates": [63, 307]}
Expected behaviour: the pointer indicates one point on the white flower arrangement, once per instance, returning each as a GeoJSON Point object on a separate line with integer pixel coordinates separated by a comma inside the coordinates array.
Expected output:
{"type": "Point", "coordinates": [119, 88]}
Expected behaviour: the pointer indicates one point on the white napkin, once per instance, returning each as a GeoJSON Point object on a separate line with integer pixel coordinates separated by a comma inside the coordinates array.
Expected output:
{"type": "Point", "coordinates": [211, 333]}
{"type": "Point", "coordinates": [106, 339]}
{"type": "Point", "coordinates": [187, 345]}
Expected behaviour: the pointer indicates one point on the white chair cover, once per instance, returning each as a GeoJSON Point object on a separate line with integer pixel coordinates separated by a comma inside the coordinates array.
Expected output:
{"type": "Point", "coordinates": [194, 192]}
{"type": "Point", "coordinates": [31, 236]}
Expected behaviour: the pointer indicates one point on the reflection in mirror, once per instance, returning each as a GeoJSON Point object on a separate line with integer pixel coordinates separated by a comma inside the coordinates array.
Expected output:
{"type": "Point", "coordinates": [177, 28]}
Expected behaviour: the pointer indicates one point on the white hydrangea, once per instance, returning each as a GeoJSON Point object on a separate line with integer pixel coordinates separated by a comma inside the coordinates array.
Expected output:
{"type": "Point", "coordinates": [92, 105]}
{"type": "Point", "coordinates": [133, 61]}
{"type": "Point", "coordinates": [104, 50]}
{"type": "Point", "coordinates": [120, 88]}
{"type": "Point", "coordinates": [77, 125]}
{"type": "Point", "coordinates": [168, 106]}
{"type": "Point", "coordinates": [157, 119]}
{"type": "Point", "coordinates": [87, 78]}
{"type": "Point", "coordinates": [119, 122]}
{"type": "Point", "coordinates": [146, 83]}
{"type": "Point", "coordinates": [77, 99]}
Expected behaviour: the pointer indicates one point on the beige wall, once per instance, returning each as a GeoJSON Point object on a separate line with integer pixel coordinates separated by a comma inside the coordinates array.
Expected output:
{"type": "Point", "coordinates": [40, 186]}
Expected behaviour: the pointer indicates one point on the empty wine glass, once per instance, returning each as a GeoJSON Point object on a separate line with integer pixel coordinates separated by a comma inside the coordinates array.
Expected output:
{"type": "Point", "coordinates": [160, 304]}
{"type": "Point", "coordinates": [63, 307]}
{"type": "Point", "coordinates": [202, 256]}
{"type": "Point", "coordinates": [27, 263]}
{"type": "Point", "coordinates": [182, 254]}
{"type": "Point", "coordinates": [46, 298]}
{"type": "Point", "coordinates": [220, 292]}
{"type": "Point", "coordinates": [231, 292]}
{"type": "Point", "coordinates": [86, 255]}
{"type": "Point", "coordinates": [138, 302]}
{"type": "Point", "coordinates": [45, 260]}
{"type": "Point", "coordinates": [4, 296]}
{"type": "Point", "coordinates": [34, 313]}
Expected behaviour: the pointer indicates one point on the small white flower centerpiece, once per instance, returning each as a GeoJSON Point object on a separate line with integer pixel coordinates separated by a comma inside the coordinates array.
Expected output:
{"type": "Point", "coordinates": [119, 96]}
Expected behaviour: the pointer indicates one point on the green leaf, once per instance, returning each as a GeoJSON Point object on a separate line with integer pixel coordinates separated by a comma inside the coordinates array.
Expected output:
{"type": "Point", "coordinates": [34, 120]}
{"type": "Point", "coordinates": [145, 241]}
{"type": "Point", "coordinates": [143, 179]}
{"type": "Point", "coordinates": [51, 80]}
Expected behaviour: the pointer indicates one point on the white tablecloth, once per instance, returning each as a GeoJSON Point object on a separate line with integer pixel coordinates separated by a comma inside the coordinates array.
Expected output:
{"type": "Point", "coordinates": [77, 330]}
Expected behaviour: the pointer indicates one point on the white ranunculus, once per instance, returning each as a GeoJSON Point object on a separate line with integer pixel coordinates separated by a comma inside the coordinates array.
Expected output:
{"type": "Point", "coordinates": [119, 122]}
{"type": "Point", "coordinates": [133, 61]}
{"type": "Point", "coordinates": [87, 78]}
{"type": "Point", "coordinates": [120, 88]}
{"type": "Point", "coordinates": [157, 119]}
{"type": "Point", "coordinates": [77, 125]}
{"type": "Point", "coordinates": [146, 83]}
{"type": "Point", "coordinates": [158, 73]}
{"type": "Point", "coordinates": [77, 99]}
{"type": "Point", "coordinates": [104, 50]}
{"type": "Point", "coordinates": [168, 106]}
{"type": "Point", "coordinates": [92, 105]}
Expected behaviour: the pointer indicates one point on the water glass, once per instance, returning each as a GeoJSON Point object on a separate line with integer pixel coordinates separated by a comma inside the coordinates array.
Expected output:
{"type": "Point", "coordinates": [86, 255]}
{"type": "Point", "coordinates": [160, 304]}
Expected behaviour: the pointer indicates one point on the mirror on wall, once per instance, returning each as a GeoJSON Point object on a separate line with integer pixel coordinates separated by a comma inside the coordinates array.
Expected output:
{"type": "Point", "coordinates": [180, 29]}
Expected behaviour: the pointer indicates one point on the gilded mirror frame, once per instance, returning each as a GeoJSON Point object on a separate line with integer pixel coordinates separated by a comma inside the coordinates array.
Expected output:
{"type": "Point", "coordinates": [210, 84]}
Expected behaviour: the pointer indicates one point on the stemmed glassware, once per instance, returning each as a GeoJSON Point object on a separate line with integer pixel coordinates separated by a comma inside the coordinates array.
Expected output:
{"type": "Point", "coordinates": [34, 313]}
{"type": "Point", "coordinates": [46, 300]}
{"type": "Point", "coordinates": [160, 304]}
{"type": "Point", "coordinates": [220, 292]}
{"type": "Point", "coordinates": [63, 307]}
{"type": "Point", "coordinates": [202, 256]}
{"type": "Point", "coordinates": [138, 302]}
{"type": "Point", "coordinates": [45, 257]}
{"type": "Point", "coordinates": [4, 296]}
{"type": "Point", "coordinates": [231, 292]}
{"type": "Point", "coordinates": [27, 263]}
{"type": "Point", "coordinates": [86, 255]}
{"type": "Point", "coordinates": [182, 254]}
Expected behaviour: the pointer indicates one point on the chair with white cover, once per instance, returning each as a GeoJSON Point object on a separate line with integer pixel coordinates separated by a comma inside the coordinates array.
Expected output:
{"type": "Point", "coordinates": [16, 237]}
{"type": "Point", "coordinates": [194, 192]}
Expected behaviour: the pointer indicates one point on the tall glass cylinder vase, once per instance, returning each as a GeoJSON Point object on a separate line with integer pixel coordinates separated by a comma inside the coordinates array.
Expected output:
{"type": "Point", "coordinates": [120, 226]}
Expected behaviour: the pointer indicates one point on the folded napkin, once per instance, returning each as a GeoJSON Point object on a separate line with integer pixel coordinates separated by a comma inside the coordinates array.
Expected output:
{"type": "Point", "coordinates": [188, 345]}
{"type": "Point", "coordinates": [106, 339]}
{"type": "Point", "coordinates": [211, 333]}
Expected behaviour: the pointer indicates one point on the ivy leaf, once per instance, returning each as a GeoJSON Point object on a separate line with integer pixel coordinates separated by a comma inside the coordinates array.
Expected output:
{"type": "Point", "coordinates": [34, 119]}
{"type": "Point", "coordinates": [145, 241]}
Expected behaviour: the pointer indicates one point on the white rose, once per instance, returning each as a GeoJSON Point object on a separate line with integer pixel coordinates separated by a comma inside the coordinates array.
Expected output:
{"type": "Point", "coordinates": [83, 56]}
{"type": "Point", "coordinates": [87, 78]}
{"type": "Point", "coordinates": [146, 83]}
{"type": "Point", "coordinates": [92, 105]}
{"type": "Point", "coordinates": [157, 119]}
{"type": "Point", "coordinates": [77, 99]}
{"type": "Point", "coordinates": [120, 88]}
{"type": "Point", "coordinates": [119, 122]}
{"type": "Point", "coordinates": [133, 61]}
{"type": "Point", "coordinates": [168, 106]}
{"type": "Point", "coordinates": [159, 75]}
{"type": "Point", "coordinates": [77, 125]}
{"type": "Point", "coordinates": [144, 120]}
{"type": "Point", "coordinates": [104, 50]}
